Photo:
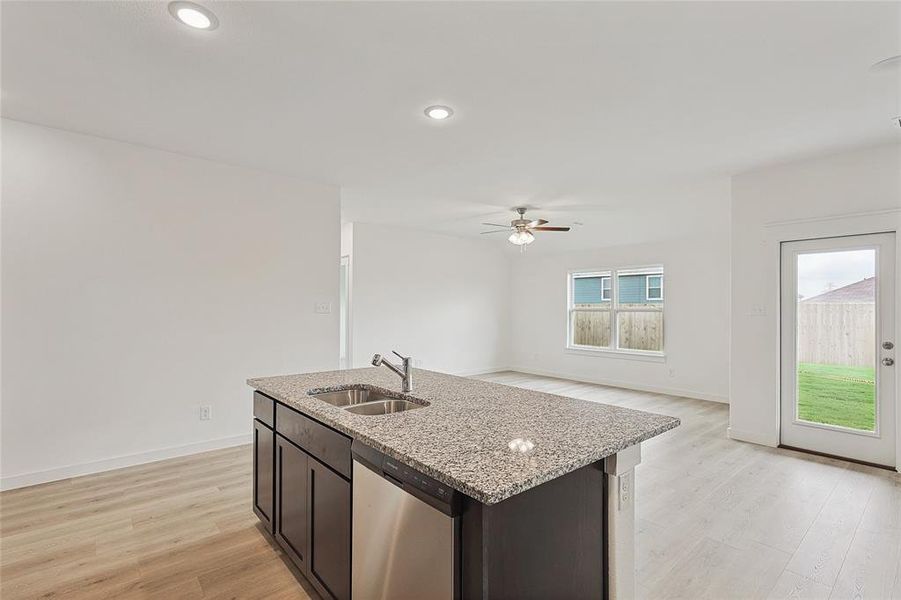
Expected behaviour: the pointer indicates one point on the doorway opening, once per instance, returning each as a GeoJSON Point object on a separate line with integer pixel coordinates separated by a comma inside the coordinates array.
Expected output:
{"type": "Point", "coordinates": [344, 350]}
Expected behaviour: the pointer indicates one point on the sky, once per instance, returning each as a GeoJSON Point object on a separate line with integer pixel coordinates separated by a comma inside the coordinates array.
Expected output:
{"type": "Point", "coordinates": [822, 271]}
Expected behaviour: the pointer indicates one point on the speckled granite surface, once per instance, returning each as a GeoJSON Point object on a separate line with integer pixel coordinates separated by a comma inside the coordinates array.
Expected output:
{"type": "Point", "coordinates": [462, 437]}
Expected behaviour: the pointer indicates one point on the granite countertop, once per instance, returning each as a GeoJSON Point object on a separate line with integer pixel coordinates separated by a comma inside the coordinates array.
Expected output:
{"type": "Point", "coordinates": [462, 437]}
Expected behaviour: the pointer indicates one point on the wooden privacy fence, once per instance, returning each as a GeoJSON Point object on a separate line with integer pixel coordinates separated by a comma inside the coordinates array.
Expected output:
{"type": "Point", "coordinates": [591, 328]}
{"type": "Point", "coordinates": [637, 330]}
{"type": "Point", "coordinates": [837, 334]}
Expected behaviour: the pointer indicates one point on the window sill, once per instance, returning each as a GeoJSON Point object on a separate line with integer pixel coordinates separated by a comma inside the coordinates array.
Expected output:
{"type": "Point", "coordinates": [657, 357]}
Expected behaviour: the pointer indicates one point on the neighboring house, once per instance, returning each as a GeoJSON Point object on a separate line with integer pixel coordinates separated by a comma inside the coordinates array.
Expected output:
{"type": "Point", "coordinates": [860, 292]}
{"type": "Point", "coordinates": [644, 288]}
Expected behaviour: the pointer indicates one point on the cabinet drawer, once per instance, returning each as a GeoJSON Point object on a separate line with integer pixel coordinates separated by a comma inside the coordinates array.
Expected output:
{"type": "Point", "coordinates": [326, 444]}
{"type": "Point", "coordinates": [264, 409]}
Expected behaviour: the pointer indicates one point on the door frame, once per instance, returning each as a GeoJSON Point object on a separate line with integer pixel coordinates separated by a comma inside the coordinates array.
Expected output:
{"type": "Point", "coordinates": [846, 447]}
{"type": "Point", "coordinates": [347, 262]}
{"type": "Point", "coordinates": [861, 223]}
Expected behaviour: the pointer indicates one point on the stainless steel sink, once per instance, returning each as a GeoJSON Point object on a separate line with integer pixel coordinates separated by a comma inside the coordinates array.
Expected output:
{"type": "Point", "coordinates": [382, 407]}
{"type": "Point", "coordinates": [361, 401]}
{"type": "Point", "coordinates": [350, 397]}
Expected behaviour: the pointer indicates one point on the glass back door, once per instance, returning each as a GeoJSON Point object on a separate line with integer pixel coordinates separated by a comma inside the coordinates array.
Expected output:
{"type": "Point", "coordinates": [837, 320]}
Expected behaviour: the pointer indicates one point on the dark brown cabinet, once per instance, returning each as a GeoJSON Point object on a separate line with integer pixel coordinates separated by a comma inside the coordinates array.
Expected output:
{"type": "Point", "coordinates": [330, 508]}
{"type": "Point", "coordinates": [319, 441]}
{"type": "Point", "coordinates": [302, 493]}
{"type": "Point", "coordinates": [263, 482]}
{"type": "Point", "coordinates": [291, 500]}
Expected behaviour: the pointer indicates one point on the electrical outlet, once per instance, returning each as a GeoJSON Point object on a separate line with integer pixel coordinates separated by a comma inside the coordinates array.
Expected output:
{"type": "Point", "coordinates": [323, 308]}
{"type": "Point", "coordinates": [206, 413]}
{"type": "Point", "coordinates": [757, 310]}
{"type": "Point", "coordinates": [625, 490]}
{"type": "Point", "coordinates": [417, 362]}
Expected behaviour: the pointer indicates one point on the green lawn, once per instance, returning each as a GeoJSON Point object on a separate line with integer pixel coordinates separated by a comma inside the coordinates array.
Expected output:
{"type": "Point", "coordinates": [837, 395]}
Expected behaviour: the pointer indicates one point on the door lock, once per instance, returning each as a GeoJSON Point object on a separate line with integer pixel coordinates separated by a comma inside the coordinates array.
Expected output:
{"type": "Point", "coordinates": [888, 361]}
{"type": "Point", "coordinates": [887, 345]}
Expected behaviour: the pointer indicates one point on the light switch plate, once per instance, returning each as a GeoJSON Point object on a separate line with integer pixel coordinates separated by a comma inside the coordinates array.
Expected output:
{"type": "Point", "coordinates": [757, 310]}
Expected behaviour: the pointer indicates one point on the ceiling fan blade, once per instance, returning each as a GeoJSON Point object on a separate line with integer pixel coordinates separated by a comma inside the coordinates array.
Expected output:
{"type": "Point", "coordinates": [496, 231]}
{"type": "Point", "coordinates": [536, 223]}
{"type": "Point", "coordinates": [549, 228]}
{"type": "Point", "coordinates": [495, 225]}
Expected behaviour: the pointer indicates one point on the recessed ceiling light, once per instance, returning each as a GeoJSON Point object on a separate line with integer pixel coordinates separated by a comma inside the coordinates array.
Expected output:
{"type": "Point", "coordinates": [438, 112]}
{"type": "Point", "coordinates": [892, 62]}
{"type": "Point", "coordinates": [193, 15]}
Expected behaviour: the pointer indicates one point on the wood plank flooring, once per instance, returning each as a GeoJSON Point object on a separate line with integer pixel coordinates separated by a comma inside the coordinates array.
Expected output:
{"type": "Point", "coordinates": [180, 528]}
{"type": "Point", "coordinates": [718, 519]}
{"type": "Point", "coordinates": [723, 519]}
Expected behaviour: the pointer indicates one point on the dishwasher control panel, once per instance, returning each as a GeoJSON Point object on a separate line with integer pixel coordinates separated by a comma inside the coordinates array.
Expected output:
{"type": "Point", "coordinates": [427, 489]}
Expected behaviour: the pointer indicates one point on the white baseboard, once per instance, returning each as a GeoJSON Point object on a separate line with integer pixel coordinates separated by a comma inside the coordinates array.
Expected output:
{"type": "Point", "coordinates": [625, 385]}
{"type": "Point", "coordinates": [752, 437]}
{"type": "Point", "coordinates": [26, 479]}
{"type": "Point", "coordinates": [482, 371]}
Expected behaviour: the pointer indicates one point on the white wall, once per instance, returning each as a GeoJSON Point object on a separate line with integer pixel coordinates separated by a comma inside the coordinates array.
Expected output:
{"type": "Point", "coordinates": [696, 317]}
{"type": "Point", "coordinates": [139, 285]}
{"type": "Point", "coordinates": [441, 299]}
{"type": "Point", "coordinates": [846, 193]}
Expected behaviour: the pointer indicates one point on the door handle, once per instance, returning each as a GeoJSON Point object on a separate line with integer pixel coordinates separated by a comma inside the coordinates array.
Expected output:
{"type": "Point", "coordinates": [887, 345]}
{"type": "Point", "coordinates": [888, 361]}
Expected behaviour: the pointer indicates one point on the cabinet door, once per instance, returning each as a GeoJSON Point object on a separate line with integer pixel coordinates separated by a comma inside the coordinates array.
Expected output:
{"type": "Point", "coordinates": [263, 445]}
{"type": "Point", "coordinates": [330, 501]}
{"type": "Point", "coordinates": [291, 501]}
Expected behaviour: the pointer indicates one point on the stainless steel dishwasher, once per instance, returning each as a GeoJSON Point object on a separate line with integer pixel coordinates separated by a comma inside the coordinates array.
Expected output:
{"type": "Point", "coordinates": [405, 539]}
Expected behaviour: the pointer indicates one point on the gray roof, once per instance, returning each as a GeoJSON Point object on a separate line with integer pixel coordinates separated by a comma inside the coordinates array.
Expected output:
{"type": "Point", "coordinates": [863, 291]}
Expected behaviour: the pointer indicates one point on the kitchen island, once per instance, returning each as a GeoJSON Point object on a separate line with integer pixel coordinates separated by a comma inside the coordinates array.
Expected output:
{"type": "Point", "coordinates": [542, 505]}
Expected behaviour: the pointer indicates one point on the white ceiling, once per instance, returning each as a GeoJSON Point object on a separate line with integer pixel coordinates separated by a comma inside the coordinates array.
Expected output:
{"type": "Point", "coordinates": [588, 110]}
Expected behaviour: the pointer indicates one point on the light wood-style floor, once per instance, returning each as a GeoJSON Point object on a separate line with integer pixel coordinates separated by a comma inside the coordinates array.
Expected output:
{"type": "Point", "coordinates": [718, 519]}
{"type": "Point", "coordinates": [180, 528]}
{"type": "Point", "coordinates": [725, 519]}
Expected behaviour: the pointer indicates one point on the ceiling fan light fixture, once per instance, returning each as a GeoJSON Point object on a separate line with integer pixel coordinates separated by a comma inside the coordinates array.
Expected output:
{"type": "Point", "coordinates": [521, 237]}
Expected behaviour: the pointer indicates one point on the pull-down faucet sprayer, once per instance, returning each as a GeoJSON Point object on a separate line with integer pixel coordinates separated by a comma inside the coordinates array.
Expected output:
{"type": "Point", "coordinates": [405, 371]}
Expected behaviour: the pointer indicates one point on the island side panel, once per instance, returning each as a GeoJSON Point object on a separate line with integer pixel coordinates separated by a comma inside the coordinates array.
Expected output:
{"type": "Point", "coordinates": [621, 531]}
{"type": "Point", "coordinates": [547, 542]}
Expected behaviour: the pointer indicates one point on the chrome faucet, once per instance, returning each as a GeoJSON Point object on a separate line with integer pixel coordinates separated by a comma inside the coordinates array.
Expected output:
{"type": "Point", "coordinates": [405, 371]}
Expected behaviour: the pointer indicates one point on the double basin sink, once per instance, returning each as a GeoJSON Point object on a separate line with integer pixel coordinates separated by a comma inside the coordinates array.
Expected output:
{"type": "Point", "coordinates": [360, 401]}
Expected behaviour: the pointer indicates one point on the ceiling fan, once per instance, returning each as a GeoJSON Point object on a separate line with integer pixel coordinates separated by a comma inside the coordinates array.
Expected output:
{"type": "Point", "coordinates": [522, 228]}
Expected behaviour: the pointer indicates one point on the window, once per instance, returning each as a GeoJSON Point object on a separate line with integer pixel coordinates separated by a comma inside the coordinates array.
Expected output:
{"type": "Point", "coordinates": [616, 310]}
{"type": "Point", "coordinates": [590, 310]}
{"type": "Point", "coordinates": [654, 288]}
{"type": "Point", "coordinates": [605, 288]}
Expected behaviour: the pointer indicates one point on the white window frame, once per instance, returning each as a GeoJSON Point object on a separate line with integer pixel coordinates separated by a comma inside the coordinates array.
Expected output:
{"type": "Point", "coordinates": [647, 287]}
{"type": "Point", "coordinates": [609, 280]}
{"type": "Point", "coordinates": [613, 351]}
{"type": "Point", "coordinates": [570, 304]}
